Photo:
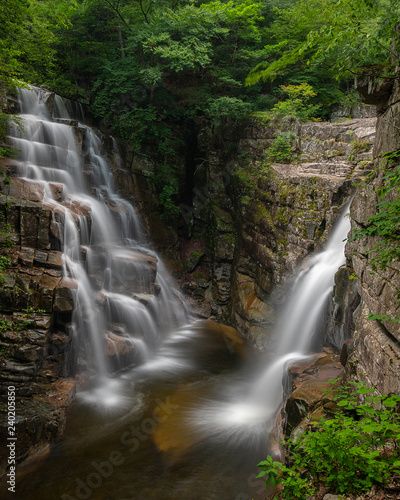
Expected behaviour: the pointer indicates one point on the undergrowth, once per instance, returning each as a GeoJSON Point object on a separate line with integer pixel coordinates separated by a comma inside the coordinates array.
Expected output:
{"type": "Point", "coordinates": [349, 453]}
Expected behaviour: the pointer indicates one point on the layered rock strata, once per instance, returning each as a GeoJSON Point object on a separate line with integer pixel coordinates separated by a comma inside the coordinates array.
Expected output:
{"type": "Point", "coordinates": [256, 220]}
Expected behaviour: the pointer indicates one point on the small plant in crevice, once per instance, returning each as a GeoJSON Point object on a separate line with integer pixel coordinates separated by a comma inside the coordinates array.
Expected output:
{"type": "Point", "coordinates": [359, 146]}
{"type": "Point", "coordinates": [349, 453]}
{"type": "Point", "coordinates": [5, 324]}
{"type": "Point", "coordinates": [22, 322]}
{"type": "Point", "coordinates": [5, 233]}
{"type": "Point", "coordinates": [6, 150]}
{"type": "Point", "coordinates": [5, 263]}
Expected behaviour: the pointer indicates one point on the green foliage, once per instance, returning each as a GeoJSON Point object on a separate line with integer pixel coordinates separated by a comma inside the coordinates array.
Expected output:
{"type": "Point", "coordinates": [5, 325]}
{"type": "Point", "coordinates": [349, 453]}
{"type": "Point", "coordinates": [337, 37]}
{"type": "Point", "coordinates": [26, 41]}
{"type": "Point", "coordinates": [297, 104]}
{"type": "Point", "coordinates": [282, 149]}
{"type": "Point", "coordinates": [165, 181]}
{"type": "Point", "coordinates": [5, 233]}
{"type": "Point", "coordinates": [227, 108]}
{"type": "Point", "coordinates": [325, 43]}
{"type": "Point", "coordinates": [5, 262]}
{"type": "Point", "coordinates": [183, 60]}
{"type": "Point", "coordinates": [170, 210]}
{"type": "Point", "coordinates": [4, 149]}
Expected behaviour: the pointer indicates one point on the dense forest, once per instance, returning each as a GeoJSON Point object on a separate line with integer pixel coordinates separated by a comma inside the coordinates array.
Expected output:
{"type": "Point", "coordinates": [148, 69]}
{"type": "Point", "coordinates": [143, 66]}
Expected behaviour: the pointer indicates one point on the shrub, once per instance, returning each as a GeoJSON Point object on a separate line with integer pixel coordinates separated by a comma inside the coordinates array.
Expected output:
{"type": "Point", "coordinates": [297, 103]}
{"type": "Point", "coordinates": [349, 453]}
{"type": "Point", "coordinates": [282, 149]}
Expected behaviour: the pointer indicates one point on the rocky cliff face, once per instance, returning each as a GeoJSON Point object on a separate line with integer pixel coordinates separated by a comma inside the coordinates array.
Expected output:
{"type": "Point", "coordinates": [376, 353]}
{"type": "Point", "coordinates": [254, 220]}
{"type": "Point", "coordinates": [36, 305]}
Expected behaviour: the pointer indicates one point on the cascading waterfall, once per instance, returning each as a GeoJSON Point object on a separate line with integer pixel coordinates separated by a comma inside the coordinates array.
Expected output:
{"type": "Point", "coordinates": [252, 410]}
{"type": "Point", "coordinates": [191, 414]}
{"type": "Point", "coordinates": [297, 324]}
{"type": "Point", "coordinates": [102, 238]}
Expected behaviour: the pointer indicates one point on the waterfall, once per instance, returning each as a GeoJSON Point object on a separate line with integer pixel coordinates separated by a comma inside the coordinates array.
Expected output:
{"type": "Point", "coordinates": [103, 242]}
{"type": "Point", "coordinates": [250, 409]}
{"type": "Point", "coordinates": [297, 323]}
{"type": "Point", "coordinates": [191, 412]}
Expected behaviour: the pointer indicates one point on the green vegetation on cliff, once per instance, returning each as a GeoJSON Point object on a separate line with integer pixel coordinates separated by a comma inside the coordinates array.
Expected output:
{"type": "Point", "coordinates": [149, 71]}
{"type": "Point", "coordinates": [348, 452]}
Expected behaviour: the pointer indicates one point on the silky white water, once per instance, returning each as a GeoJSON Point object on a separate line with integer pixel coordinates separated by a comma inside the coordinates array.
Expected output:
{"type": "Point", "coordinates": [102, 239]}
{"type": "Point", "coordinates": [258, 402]}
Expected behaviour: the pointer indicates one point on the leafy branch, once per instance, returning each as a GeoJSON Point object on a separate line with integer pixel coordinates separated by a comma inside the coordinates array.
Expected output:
{"type": "Point", "coordinates": [365, 431]}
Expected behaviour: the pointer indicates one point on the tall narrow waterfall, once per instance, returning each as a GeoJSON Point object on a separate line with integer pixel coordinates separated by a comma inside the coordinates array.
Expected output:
{"type": "Point", "coordinates": [298, 321]}
{"type": "Point", "coordinates": [123, 301]}
{"type": "Point", "coordinates": [248, 410]}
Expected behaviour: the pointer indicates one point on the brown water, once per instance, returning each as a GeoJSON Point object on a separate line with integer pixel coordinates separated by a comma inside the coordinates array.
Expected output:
{"type": "Point", "coordinates": [158, 432]}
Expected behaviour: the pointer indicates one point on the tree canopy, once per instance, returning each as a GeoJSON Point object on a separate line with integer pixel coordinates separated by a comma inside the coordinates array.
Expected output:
{"type": "Point", "coordinates": [143, 66]}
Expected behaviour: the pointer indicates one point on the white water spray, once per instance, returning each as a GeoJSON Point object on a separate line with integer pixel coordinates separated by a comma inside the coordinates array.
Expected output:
{"type": "Point", "coordinates": [105, 251]}
{"type": "Point", "coordinates": [243, 415]}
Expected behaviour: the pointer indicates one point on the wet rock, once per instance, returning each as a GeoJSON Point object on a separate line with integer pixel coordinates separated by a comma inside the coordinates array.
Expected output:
{"type": "Point", "coordinates": [310, 383]}
{"type": "Point", "coordinates": [234, 342]}
{"type": "Point", "coordinates": [132, 271]}
{"type": "Point", "coordinates": [56, 190]}
{"type": "Point", "coordinates": [41, 419]}
{"type": "Point", "coordinates": [29, 227]}
{"type": "Point", "coordinates": [52, 260]}
{"type": "Point", "coordinates": [346, 352]}
{"type": "Point", "coordinates": [222, 285]}
{"type": "Point", "coordinates": [199, 307]}
{"type": "Point", "coordinates": [343, 309]}
{"type": "Point", "coordinates": [26, 256]}
{"type": "Point", "coordinates": [64, 295]}
{"type": "Point", "coordinates": [116, 345]}
{"type": "Point", "coordinates": [46, 286]}
{"type": "Point", "coordinates": [194, 261]}
{"type": "Point", "coordinates": [26, 189]}
{"type": "Point", "coordinates": [253, 315]}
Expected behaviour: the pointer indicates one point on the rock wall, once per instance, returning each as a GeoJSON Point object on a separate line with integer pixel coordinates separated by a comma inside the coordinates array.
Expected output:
{"type": "Point", "coordinates": [376, 352]}
{"type": "Point", "coordinates": [253, 221]}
